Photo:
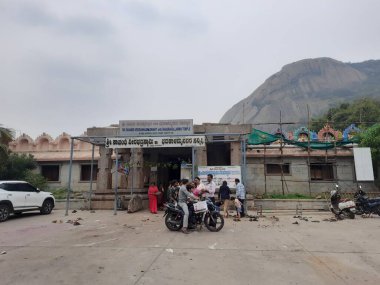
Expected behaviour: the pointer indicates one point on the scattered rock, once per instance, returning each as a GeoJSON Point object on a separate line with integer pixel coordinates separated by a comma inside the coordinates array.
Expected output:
{"type": "Point", "coordinates": [318, 197]}
{"type": "Point", "coordinates": [315, 221]}
{"type": "Point", "coordinates": [296, 223]}
{"type": "Point", "coordinates": [54, 222]}
{"type": "Point", "coordinates": [330, 220]}
{"type": "Point", "coordinates": [74, 211]}
{"type": "Point", "coordinates": [79, 219]}
{"type": "Point", "coordinates": [275, 218]}
{"type": "Point", "coordinates": [75, 222]}
{"type": "Point", "coordinates": [92, 211]}
{"type": "Point", "coordinates": [170, 250]}
{"type": "Point", "coordinates": [3, 252]}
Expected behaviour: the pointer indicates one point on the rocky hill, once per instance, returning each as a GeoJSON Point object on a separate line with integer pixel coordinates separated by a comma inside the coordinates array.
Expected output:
{"type": "Point", "coordinates": [321, 83]}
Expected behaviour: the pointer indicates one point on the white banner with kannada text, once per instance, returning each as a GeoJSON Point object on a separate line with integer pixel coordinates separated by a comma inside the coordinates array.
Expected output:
{"type": "Point", "coordinates": [220, 173]}
{"type": "Point", "coordinates": [148, 128]}
{"type": "Point", "coordinates": [151, 142]}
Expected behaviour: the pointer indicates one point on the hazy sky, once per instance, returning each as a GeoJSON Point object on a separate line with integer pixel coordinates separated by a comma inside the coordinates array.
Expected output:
{"type": "Point", "coordinates": [69, 65]}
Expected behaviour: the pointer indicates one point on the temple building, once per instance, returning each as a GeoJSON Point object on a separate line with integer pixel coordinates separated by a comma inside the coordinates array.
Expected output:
{"type": "Point", "coordinates": [303, 162]}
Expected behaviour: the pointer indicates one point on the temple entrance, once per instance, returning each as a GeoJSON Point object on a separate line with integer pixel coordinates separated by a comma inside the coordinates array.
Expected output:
{"type": "Point", "coordinates": [161, 165]}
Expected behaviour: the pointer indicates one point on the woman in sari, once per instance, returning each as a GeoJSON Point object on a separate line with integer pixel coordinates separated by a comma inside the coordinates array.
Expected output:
{"type": "Point", "coordinates": [152, 194]}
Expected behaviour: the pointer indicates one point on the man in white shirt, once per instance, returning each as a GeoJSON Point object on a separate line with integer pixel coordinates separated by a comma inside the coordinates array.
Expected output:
{"type": "Point", "coordinates": [240, 194]}
{"type": "Point", "coordinates": [210, 188]}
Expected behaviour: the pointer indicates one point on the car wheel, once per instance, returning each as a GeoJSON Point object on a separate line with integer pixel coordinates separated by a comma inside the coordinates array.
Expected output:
{"type": "Point", "coordinates": [4, 212]}
{"type": "Point", "coordinates": [47, 207]}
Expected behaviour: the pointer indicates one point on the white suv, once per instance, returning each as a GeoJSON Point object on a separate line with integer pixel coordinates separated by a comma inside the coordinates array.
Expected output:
{"type": "Point", "coordinates": [19, 196]}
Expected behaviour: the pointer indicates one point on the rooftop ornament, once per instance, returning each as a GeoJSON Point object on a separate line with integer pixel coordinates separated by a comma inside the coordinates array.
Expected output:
{"type": "Point", "coordinates": [301, 134]}
{"type": "Point", "coordinates": [350, 132]}
{"type": "Point", "coordinates": [328, 134]}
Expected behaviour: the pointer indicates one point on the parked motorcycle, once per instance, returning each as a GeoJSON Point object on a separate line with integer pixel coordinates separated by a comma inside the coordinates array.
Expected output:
{"type": "Point", "coordinates": [365, 205]}
{"type": "Point", "coordinates": [200, 213]}
{"type": "Point", "coordinates": [341, 209]}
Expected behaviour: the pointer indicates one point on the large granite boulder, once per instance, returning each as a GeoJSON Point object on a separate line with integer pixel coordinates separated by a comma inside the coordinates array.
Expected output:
{"type": "Point", "coordinates": [135, 204]}
{"type": "Point", "coordinates": [320, 83]}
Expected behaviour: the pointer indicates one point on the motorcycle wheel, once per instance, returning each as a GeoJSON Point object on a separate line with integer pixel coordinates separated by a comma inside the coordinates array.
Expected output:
{"type": "Point", "coordinates": [347, 213]}
{"type": "Point", "coordinates": [359, 212]}
{"type": "Point", "coordinates": [173, 222]}
{"type": "Point", "coordinates": [217, 218]}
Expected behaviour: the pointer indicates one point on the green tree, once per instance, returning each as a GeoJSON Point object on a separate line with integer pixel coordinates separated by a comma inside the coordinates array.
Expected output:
{"type": "Point", "coordinates": [363, 112]}
{"type": "Point", "coordinates": [15, 166]}
{"type": "Point", "coordinates": [5, 138]}
{"type": "Point", "coordinates": [371, 138]}
{"type": "Point", "coordinates": [5, 135]}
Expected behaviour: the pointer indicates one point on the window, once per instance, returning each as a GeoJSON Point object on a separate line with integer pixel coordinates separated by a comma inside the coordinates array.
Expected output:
{"type": "Point", "coordinates": [275, 169]}
{"type": "Point", "coordinates": [321, 171]}
{"type": "Point", "coordinates": [18, 187]}
{"type": "Point", "coordinates": [9, 186]}
{"type": "Point", "coordinates": [85, 172]}
{"type": "Point", "coordinates": [50, 172]}
{"type": "Point", "coordinates": [25, 187]}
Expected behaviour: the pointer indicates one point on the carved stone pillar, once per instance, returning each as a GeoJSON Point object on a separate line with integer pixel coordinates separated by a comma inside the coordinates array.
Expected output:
{"type": "Point", "coordinates": [137, 169]}
{"type": "Point", "coordinates": [104, 180]}
{"type": "Point", "coordinates": [125, 156]}
{"type": "Point", "coordinates": [235, 153]}
{"type": "Point", "coordinates": [201, 156]}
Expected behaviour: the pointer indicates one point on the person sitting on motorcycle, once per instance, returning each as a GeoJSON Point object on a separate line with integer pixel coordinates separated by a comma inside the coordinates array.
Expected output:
{"type": "Point", "coordinates": [173, 192]}
{"type": "Point", "coordinates": [183, 195]}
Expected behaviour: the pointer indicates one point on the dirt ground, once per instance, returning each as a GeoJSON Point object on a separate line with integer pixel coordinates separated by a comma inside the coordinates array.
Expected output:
{"type": "Point", "coordinates": [138, 249]}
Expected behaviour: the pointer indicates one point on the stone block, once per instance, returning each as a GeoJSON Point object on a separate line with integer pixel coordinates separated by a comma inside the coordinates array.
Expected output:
{"type": "Point", "coordinates": [135, 204]}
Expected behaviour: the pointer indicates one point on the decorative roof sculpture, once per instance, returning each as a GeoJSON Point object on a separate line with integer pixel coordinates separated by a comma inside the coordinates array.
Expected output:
{"type": "Point", "coordinates": [279, 133]}
{"type": "Point", "coordinates": [301, 134]}
{"type": "Point", "coordinates": [350, 132]}
{"type": "Point", "coordinates": [328, 134]}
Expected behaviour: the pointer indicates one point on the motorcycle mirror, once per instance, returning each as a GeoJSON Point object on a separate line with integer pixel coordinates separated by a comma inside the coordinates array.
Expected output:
{"type": "Point", "coordinates": [360, 187]}
{"type": "Point", "coordinates": [336, 186]}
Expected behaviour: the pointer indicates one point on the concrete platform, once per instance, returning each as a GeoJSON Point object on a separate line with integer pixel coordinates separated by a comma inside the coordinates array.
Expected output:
{"type": "Point", "coordinates": [138, 249]}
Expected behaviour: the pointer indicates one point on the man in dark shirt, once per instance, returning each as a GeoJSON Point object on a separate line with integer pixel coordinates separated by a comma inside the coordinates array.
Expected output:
{"type": "Point", "coordinates": [224, 195]}
{"type": "Point", "coordinates": [173, 192]}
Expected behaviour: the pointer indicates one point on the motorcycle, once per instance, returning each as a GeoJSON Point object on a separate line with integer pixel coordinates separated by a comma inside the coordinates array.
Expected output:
{"type": "Point", "coordinates": [365, 205]}
{"type": "Point", "coordinates": [200, 213]}
{"type": "Point", "coordinates": [341, 209]}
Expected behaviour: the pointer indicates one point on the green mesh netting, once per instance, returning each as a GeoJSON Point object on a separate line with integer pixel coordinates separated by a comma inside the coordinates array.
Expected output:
{"type": "Point", "coordinates": [260, 137]}
{"type": "Point", "coordinates": [257, 137]}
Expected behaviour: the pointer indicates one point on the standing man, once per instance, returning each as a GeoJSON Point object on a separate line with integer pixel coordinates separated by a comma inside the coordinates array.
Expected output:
{"type": "Point", "coordinates": [224, 196]}
{"type": "Point", "coordinates": [240, 194]}
{"type": "Point", "coordinates": [210, 188]}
